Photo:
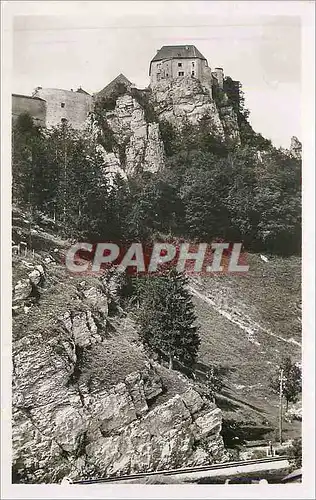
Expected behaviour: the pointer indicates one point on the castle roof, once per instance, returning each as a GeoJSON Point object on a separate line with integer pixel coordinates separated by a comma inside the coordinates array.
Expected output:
{"type": "Point", "coordinates": [106, 91]}
{"type": "Point", "coordinates": [54, 90]}
{"type": "Point", "coordinates": [28, 97]}
{"type": "Point", "coordinates": [178, 52]}
{"type": "Point", "coordinates": [81, 91]}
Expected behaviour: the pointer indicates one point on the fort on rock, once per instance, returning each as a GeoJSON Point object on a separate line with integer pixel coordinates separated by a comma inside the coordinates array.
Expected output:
{"type": "Point", "coordinates": [51, 106]}
{"type": "Point", "coordinates": [176, 61]}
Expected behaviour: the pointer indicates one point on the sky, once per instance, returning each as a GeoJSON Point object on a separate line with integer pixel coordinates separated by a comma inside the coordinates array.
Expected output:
{"type": "Point", "coordinates": [88, 48]}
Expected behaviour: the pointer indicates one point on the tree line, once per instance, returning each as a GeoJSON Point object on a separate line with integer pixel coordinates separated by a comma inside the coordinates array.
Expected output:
{"type": "Point", "coordinates": [205, 191]}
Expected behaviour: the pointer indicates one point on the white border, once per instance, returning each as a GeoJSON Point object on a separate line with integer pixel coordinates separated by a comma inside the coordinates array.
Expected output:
{"type": "Point", "coordinates": [306, 10]}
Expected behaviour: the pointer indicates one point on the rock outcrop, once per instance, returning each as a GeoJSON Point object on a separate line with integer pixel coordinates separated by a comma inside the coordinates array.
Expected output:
{"type": "Point", "coordinates": [62, 427]}
{"type": "Point", "coordinates": [135, 438]}
{"type": "Point", "coordinates": [230, 124]}
{"type": "Point", "coordinates": [296, 148]}
{"type": "Point", "coordinates": [139, 146]}
{"type": "Point", "coordinates": [186, 98]}
{"type": "Point", "coordinates": [112, 164]}
{"type": "Point", "coordinates": [87, 401]}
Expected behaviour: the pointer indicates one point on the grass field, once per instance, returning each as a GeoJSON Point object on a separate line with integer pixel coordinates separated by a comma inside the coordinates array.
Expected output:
{"type": "Point", "coordinates": [247, 323]}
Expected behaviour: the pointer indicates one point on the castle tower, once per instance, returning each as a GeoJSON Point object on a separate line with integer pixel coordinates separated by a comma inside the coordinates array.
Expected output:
{"type": "Point", "coordinates": [176, 61]}
{"type": "Point", "coordinates": [65, 105]}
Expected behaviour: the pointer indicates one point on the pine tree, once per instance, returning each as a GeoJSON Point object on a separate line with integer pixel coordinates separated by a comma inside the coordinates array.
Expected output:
{"type": "Point", "coordinates": [167, 319]}
{"type": "Point", "coordinates": [28, 145]}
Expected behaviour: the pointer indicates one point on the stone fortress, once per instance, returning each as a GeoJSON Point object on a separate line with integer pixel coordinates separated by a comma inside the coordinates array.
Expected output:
{"type": "Point", "coordinates": [176, 61]}
{"type": "Point", "coordinates": [65, 105]}
{"type": "Point", "coordinates": [51, 106]}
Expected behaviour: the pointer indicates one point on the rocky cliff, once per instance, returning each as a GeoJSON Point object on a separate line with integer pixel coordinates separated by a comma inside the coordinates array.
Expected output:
{"type": "Point", "coordinates": [186, 98]}
{"type": "Point", "coordinates": [136, 145]}
{"type": "Point", "coordinates": [296, 148]}
{"type": "Point", "coordinates": [87, 401]}
{"type": "Point", "coordinates": [132, 133]}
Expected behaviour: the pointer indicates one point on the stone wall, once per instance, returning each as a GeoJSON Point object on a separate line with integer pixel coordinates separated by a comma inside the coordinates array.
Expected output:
{"type": "Point", "coordinates": [35, 106]}
{"type": "Point", "coordinates": [66, 105]}
{"type": "Point", "coordinates": [169, 69]}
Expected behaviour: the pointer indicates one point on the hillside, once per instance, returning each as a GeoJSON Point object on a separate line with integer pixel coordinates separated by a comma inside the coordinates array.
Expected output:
{"type": "Point", "coordinates": [248, 323]}
{"type": "Point", "coordinates": [78, 362]}
{"type": "Point", "coordinates": [92, 392]}
{"type": "Point", "coordinates": [87, 400]}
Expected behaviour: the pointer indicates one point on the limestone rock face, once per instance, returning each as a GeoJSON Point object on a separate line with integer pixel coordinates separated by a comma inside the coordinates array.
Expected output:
{"type": "Point", "coordinates": [96, 299]}
{"type": "Point", "coordinates": [137, 141]}
{"type": "Point", "coordinates": [163, 437]}
{"type": "Point", "coordinates": [63, 428]}
{"type": "Point", "coordinates": [296, 148]}
{"type": "Point", "coordinates": [86, 399]}
{"type": "Point", "coordinates": [186, 98]}
{"type": "Point", "coordinates": [36, 275]}
{"type": "Point", "coordinates": [192, 401]}
{"type": "Point", "coordinates": [26, 287]}
{"type": "Point", "coordinates": [22, 290]}
{"type": "Point", "coordinates": [112, 165]}
{"type": "Point", "coordinates": [81, 327]}
{"type": "Point", "coordinates": [135, 385]}
{"type": "Point", "coordinates": [140, 145]}
{"type": "Point", "coordinates": [230, 124]}
{"type": "Point", "coordinates": [145, 150]}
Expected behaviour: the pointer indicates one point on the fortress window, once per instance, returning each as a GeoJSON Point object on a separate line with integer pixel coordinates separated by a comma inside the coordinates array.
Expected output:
{"type": "Point", "coordinates": [193, 73]}
{"type": "Point", "coordinates": [62, 104]}
{"type": "Point", "coordinates": [180, 65]}
{"type": "Point", "coordinates": [192, 64]}
{"type": "Point", "coordinates": [181, 73]}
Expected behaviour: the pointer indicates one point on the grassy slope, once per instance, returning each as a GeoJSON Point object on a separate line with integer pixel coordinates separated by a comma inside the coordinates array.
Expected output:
{"type": "Point", "coordinates": [269, 295]}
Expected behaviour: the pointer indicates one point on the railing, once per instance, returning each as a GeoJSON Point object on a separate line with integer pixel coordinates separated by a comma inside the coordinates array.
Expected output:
{"type": "Point", "coordinates": [187, 470]}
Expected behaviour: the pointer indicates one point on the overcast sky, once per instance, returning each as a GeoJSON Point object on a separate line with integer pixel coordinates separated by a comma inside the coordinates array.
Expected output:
{"type": "Point", "coordinates": [89, 49]}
